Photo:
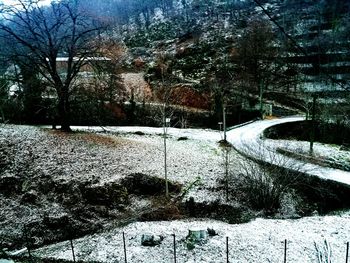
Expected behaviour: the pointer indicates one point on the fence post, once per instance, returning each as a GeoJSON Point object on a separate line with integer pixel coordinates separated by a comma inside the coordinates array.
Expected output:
{"type": "Point", "coordinates": [72, 247]}
{"type": "Point", "coordinates": [126, 261]}
{"type": "Point", "coordinates": [285, 251]}
{"type": "Point", "coordinates": [347, 252]}
{"type": "Point", "coordinates": [227, 251]}
{"type": "Point", "coordinates": [174, 248]}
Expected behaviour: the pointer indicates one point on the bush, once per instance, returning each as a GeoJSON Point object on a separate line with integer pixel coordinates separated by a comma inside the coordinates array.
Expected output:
{"type": "Point", "coordinates": [263, 186]}
{"type": "Point", "coordinates": [259, 189]}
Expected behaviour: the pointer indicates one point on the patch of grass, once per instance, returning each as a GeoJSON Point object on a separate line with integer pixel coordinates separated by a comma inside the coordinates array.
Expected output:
{"type": "Point", "coordinates": [90, 137]}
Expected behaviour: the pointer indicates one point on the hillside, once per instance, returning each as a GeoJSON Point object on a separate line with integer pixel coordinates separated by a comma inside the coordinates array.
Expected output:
{"type": "Point", "coordinates": [255, 58]}
{"type": "Point", "coordinates": [242, 51]}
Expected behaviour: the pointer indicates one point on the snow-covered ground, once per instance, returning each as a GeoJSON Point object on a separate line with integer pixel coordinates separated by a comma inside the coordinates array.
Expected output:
{"type": "Point", "coordinates": [54, 158]}
{"type": "Point", "coordinates": [187, 160]}
{"type": "Point", "coordinates": [103, 157]}
{"type": "Point", "coordinates": [261, 240]}
{"type": "Point", "coordinates": [327, 152]}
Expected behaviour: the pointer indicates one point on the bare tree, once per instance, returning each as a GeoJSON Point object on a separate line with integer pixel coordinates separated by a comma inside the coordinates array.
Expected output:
{"type": "Point", "coordinates": [164, 72]}
{"type": "Point", "coordinates": [39, 35]}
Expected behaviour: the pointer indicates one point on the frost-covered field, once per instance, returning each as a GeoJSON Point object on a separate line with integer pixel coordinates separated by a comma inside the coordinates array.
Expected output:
{"type": "Point", "coordinates": [261, 240]}
{"type": "Point", "coordinates": [104, 157]}
{"type": "Point", "coordinates": [197, 156]}
{"type": "Point", "coordinates": [113, 155]}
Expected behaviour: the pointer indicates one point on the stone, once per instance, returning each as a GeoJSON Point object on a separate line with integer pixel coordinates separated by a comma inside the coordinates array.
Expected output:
{"type": "Point", "coordinates": [151, 240]}
{"type": "Point", "coordinates": [212, 232]}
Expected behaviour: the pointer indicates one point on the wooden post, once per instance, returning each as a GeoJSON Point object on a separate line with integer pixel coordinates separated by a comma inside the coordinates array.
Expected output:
{"type": "Point", "coordinates": [285, 251]}
{"type": "Point", "coordinates": [174, 248]}
{"type": "Point", "coordinates": [72, 247]}
{"type": "Point", "coordinates": [126, 261]}
{"type": "Point", "coordinates": [347, 252]}
{"type": "Point", "coordinates": [226, 171]}
{"type": "Point", "coordinates": [165, 155]}
{"type": "Point", "coordinates": [227, 251]}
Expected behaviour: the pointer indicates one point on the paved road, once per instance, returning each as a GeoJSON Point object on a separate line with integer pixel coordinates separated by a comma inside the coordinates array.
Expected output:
{"type": "Point", "coordinates": [248, 139]}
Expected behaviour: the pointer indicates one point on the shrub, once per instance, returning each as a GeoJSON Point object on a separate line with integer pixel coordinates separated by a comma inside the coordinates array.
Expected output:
{"type": "Point", "coordinates": [262, 185]}
{"type": "Point", "coordinates": [259, 189]}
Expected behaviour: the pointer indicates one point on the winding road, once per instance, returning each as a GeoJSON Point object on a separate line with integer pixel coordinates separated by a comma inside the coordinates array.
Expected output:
{"type": "Point", "coordinates": [249, 140]}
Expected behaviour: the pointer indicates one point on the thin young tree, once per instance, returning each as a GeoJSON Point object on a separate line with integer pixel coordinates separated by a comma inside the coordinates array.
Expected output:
{"type": "Point", "coordinates": [39, 35]}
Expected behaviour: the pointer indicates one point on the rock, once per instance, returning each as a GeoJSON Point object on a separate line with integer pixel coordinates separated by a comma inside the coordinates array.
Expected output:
{"type": "Point", "coordinates": [151, 240]}
{"type": "Point", "coordinates": [211, 232]}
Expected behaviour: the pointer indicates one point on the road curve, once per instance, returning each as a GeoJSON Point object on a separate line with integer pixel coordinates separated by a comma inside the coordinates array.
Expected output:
{"type": "Point", "coordinates": [249, 140]}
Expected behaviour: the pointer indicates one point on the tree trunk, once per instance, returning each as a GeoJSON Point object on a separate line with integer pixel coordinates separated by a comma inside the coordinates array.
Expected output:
{"type": "Point", "coordinates": [313, 126]}
{"type": "Point", "coordinates": [64, 111]}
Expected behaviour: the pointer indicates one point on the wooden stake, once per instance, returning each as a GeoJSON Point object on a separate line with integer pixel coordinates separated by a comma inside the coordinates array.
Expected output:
{"type": "Point", "coordinates": [174, 248]}
{"type": "Point", "coordinates": [347, 252]}
{"type": "Point", "coordinates": [285, 251]}
{"type": "Point", "coordinates": [227, 251]}
{"type": "Point", "coordinates": [126, 261]}
{"type": "Point", "coordinates": [72, 247]}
